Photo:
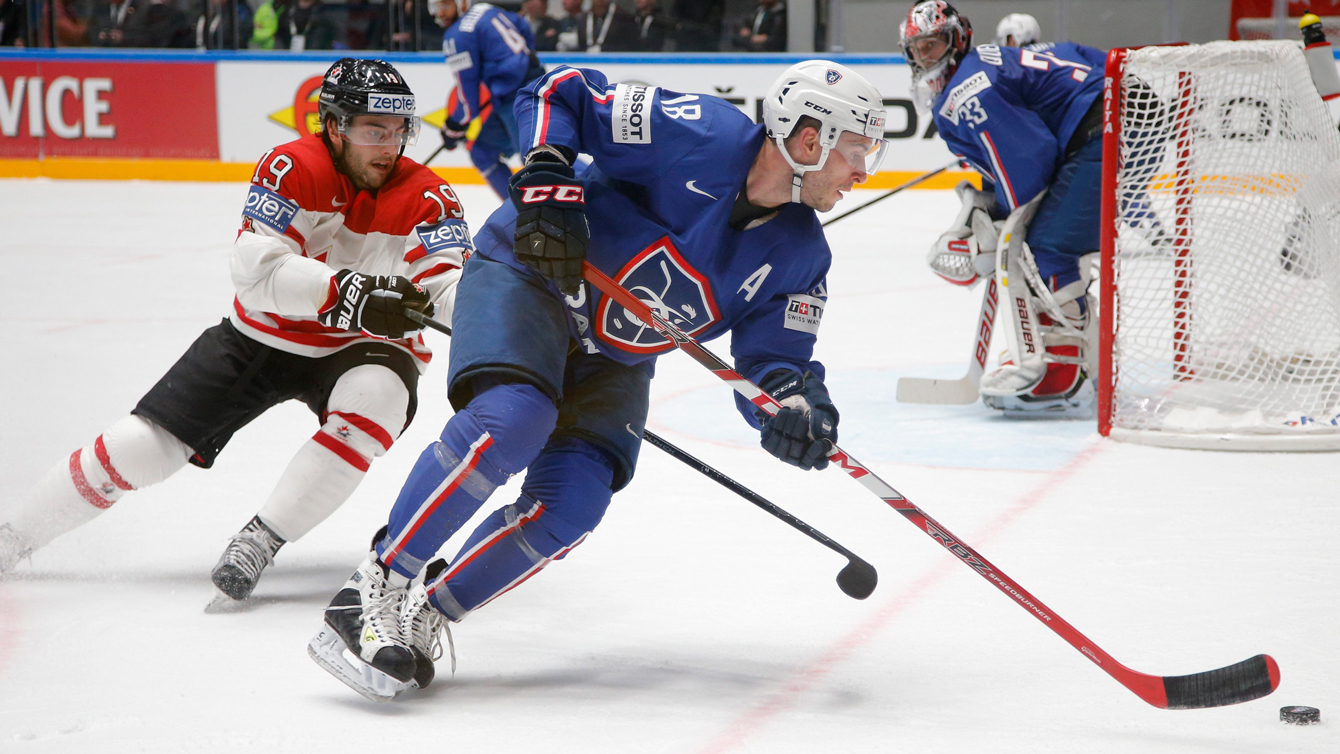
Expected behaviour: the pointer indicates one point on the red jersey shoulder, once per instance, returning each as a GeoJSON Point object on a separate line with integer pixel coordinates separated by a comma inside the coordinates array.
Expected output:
{"type": "Point", "coordinates": [302, 171]}
{"type": "Point", "coordinates": [413, 196]}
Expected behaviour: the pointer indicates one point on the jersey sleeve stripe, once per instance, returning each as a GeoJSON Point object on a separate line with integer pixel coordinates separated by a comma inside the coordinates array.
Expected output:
{"type": "Point", "coordinates": [436, 269]}
{"type": "Point", "coordinates": [544, 92]}
{"type": "Point", "coordinates": [999, 169]}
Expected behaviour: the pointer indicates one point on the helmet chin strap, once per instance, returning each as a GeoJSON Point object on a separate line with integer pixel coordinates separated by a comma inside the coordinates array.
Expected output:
{"type": "Point", "coordinates": [798, 171]}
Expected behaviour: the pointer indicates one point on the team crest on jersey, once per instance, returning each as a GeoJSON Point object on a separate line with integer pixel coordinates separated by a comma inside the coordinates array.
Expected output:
{"type": "Point", "coordinates": [269, 209]}
{"type": "Point", "coordinates": [833, 77]}
{"type": "Point", "coordinates": [450, 234]}
{"type": "Point", "coordinates": [662, 279]}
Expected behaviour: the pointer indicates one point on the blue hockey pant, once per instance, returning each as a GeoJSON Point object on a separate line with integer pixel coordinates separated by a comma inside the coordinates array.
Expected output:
{"type": "Point", "coordinates": [1067, 223]}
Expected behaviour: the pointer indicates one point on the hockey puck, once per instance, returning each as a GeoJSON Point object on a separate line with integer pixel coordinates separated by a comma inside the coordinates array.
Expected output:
{"type": "Point", "coordinates": [1300, 715]}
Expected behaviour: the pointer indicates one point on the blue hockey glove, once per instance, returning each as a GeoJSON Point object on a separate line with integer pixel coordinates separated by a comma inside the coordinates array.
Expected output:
{"type": "Point", "coordinates": [453, 134]}
{"type": "Point", "coordinates": [806, 427]}
{"type": "Point", "coordinates": [551, 230]}
{"type": "Point", "coordinates": [375, 304]}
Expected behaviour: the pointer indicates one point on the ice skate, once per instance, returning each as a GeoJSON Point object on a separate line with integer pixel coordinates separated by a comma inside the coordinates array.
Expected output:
{"type": "Point", "coordinates": [424, 626]}
{"type": "Point", "coordinates": [366, 615]}
{"type": "Point", "coordinates": [247, 555]}
{"type": "Point", "coordinates": [1060, 391]}
{"type": "Point", "coordinates": [13, 548]}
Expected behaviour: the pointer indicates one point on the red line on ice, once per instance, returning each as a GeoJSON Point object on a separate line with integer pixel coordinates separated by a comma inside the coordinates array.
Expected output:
{"type": "Point", "coordinates": [737, 733]}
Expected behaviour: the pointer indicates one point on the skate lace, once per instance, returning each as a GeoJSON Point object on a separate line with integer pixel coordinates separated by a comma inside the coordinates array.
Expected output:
{"type": "Point", "coordinates": [383, 615]}
{"type": "Point", "coordinates": [248, 552]}
{"type": "Point", "coordinates": [427, 626]}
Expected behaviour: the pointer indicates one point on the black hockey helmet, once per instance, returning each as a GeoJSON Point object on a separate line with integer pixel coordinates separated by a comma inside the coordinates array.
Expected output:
{"type": "Point", "coordinates": [356, 86]}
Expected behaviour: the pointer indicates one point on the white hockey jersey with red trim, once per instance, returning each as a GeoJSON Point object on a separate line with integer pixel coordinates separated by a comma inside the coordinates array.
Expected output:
{"type": "Point", "coordinates": [304, 220]}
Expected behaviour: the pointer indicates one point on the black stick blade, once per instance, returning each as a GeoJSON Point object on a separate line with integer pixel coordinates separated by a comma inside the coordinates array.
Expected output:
{"type": "Point", "coordinates": [858, 579]}
{"type": "Point", "coordinates": [1243, 682]}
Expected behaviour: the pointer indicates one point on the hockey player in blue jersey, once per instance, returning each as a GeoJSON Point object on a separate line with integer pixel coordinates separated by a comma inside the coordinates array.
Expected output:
{"type": "Point", "coordinates": [1028, 119]}
{"type": "Point", "coordinates": [491, 54]}
{"type": "Point", "coordinates": [704, 215]}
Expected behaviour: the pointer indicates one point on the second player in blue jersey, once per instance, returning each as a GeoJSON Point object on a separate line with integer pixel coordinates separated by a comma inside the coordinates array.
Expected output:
{"type": "Point", "coordinates": [704, 215]}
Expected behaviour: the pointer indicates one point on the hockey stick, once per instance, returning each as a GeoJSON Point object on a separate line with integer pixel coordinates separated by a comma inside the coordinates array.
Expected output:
{"type": "Point", "coordinates": [891, 192]}
{"type": "Point", "coordinates": [857, 579]}
{"type": "Point", "coordinates": [963, 390]}
{"type": "Point", "coordinates": [1242, 682]}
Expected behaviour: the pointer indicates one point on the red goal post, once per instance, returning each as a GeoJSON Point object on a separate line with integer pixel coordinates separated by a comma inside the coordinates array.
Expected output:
{"type": "Point", "coordinates": [1219, 291]}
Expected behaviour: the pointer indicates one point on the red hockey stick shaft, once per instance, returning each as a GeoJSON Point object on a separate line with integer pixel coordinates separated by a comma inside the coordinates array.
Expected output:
{"type": "Point", "coordinates": [1242, 682]}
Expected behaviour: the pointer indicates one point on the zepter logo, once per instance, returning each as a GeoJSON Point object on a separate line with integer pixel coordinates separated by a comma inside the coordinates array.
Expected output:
{"type": "Point", "coordinates": [302, 116]}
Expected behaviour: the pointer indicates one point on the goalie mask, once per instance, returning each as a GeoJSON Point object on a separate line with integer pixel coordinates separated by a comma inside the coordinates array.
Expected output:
{"type": "Point", "coordinates": [840, 100]}
{"type": "Point", "coordinates": [934, 39]}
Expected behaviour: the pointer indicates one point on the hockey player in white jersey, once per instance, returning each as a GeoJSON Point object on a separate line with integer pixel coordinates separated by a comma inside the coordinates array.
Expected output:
{"type": "Point", "coordinates": [1017, 30]}
{"type": "Point", "coordinates": [340, 236]}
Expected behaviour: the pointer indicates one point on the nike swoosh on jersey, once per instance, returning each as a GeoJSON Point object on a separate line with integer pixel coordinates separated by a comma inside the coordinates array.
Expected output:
{"type": "Point", "coordinates": [697, 190]}
{"type": "Point", "coordinates": [336, 202]}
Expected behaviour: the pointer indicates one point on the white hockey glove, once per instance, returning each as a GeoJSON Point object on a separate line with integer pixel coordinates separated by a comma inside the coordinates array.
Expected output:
{"type": "Point", "coordinates": [967, 251]}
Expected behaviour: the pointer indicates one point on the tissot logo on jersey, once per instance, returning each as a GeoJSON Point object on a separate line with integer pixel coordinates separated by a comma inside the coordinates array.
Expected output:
{"type": "Point", "coordinates": [630, 113]}
{"type": "Point", "coordinates": [447, 235]}
{"type": "Point", "coordinates": [269, 208]}
{"type": "Point", "coordinates": [665, 282]}
{"type": "Point", "coordinates": [803, 313]}
{"type": "Point", "coordinates": [974, 85]}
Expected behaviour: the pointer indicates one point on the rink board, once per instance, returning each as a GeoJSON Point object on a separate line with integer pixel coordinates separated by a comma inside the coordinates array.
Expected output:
{"type": "Point", "coordinates": [161, 116]}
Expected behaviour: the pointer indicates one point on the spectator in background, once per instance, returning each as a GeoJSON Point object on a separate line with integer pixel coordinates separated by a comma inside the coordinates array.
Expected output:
{"type": "Point", "coordinates": [653, 26]}
{"type": "Point", "coordinates": [698, 25]}
{"type": "Point", "coordinates": [226, 31]}
{"type": "Point", "coordinates": [430, 34]}
{"type": "Point", "coordinates": [13, 23]}
{"type": "Point", "coordinates": [766, 32]}
{"type": "Point", "coordinates": [132, 23]}
{"type": "Point", "coordinates": [606, 28]}
{"type": "Point", "coordinates": [264, 26]}
{"type": "Point", "coordinates": [544, 26]}
{"type": "Point", "coordinates": [1017, 30]}
{"type": "Point", "coordinates": [569, 39]}
{"type": "Point", "coordinates": [303, 26]}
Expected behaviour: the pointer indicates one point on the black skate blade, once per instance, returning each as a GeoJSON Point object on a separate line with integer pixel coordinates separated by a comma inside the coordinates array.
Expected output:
{"type": "Point", "coordinates": [328, 650]}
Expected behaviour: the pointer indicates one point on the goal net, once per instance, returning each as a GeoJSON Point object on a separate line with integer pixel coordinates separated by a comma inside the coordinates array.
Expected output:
{"type": "Point", "coordinates": [1220, 297]}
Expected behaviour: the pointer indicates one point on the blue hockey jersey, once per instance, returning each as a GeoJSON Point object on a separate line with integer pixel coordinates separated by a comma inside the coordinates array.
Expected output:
{"type": "Point", "coordinates": [1010, 112]}
{"type": "Point", "coordinates": [491, 47]}
{"type": "Point", "coordinates": [667, 168]}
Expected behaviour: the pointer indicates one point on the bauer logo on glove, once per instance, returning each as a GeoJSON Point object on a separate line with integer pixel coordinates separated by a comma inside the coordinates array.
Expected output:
{"type": "Point", "coordinates": [375, 304]}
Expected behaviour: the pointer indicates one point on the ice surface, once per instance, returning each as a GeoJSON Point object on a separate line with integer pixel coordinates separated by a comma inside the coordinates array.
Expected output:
{"type": "Point", "coordinates": [690, 622]}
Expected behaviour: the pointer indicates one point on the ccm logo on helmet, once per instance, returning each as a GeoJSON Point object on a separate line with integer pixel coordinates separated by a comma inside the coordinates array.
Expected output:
{"type": "Point", "coordinates": [537, 194]}
{"type": "Point", "coordinates": [813, 106]}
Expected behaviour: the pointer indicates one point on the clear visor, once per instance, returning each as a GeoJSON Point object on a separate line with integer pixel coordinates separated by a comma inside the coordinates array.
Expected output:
{"type": "Point", "coordinates": [379, 135]}
{"type": "Point", "coordinates": [861, 152]}
{"type": "Point", "coordinates": [927, 51]}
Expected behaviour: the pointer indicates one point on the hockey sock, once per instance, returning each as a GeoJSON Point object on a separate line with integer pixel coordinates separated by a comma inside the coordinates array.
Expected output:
{"type": "Point", "coordinates": [497, 435]}
{"type": "Point", "coordinates": [494, 171]}
{"type": "Point", "coordinates": [365, 413]}
{"type": "Point", "coordinates": [131, 454]}
{"type": "Point", "coordinates": [573, 479]}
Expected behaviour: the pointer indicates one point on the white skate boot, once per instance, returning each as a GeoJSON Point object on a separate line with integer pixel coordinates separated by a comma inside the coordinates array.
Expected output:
{"type": "Point", "coordinates": [364, 644]}
{"type": "Point", "coordinates": [424, 626]}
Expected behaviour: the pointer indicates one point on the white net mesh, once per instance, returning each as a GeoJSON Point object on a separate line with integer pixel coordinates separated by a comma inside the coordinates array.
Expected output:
{"type": "Point", "coordinates": [1227, 264]}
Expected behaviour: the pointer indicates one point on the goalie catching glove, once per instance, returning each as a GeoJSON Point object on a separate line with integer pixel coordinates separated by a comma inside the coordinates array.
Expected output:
{"type": "Point", "coordinates": [551, 231]}
{"type": "Point", "coordinates": [806, 427]}
{"type": "Point", "coordinates": [374, 304]}
{"type": "Point", "coordinates": [967, 251]}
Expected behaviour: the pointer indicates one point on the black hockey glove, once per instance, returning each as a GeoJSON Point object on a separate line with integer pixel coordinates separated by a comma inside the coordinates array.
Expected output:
{"type": "Point", "coordinates": [375, 304]}
{"type": "Point", "coordinates": [803, 431]}
{"type": "Point", "coordinates": [453, 134]}
{"type": "Point", "coordinates": [551, 230]}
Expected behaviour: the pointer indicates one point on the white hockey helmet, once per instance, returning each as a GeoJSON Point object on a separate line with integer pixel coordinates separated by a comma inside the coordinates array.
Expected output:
{"type": "Point", "coordinates": [836, 96]}
{"type": "Point", "coordinates": [1017, 30]}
